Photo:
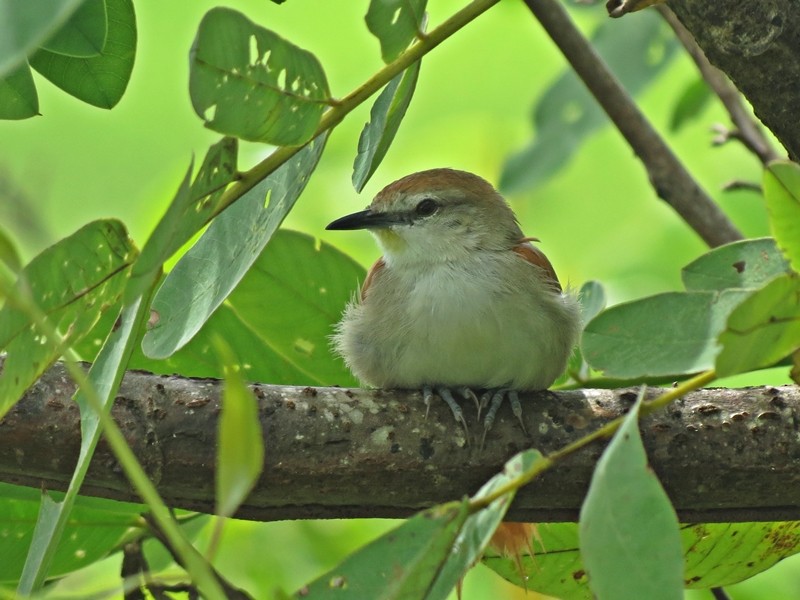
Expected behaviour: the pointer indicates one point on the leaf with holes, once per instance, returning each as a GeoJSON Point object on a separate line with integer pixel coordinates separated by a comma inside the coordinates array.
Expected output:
{"type": "Point", "coordinates": [99, 80]}
{"type": "Point", "coordinates": [212, 268]}
{"type": "Point", "coordinates": [395, 23]}
{"type": "Point", "coordinates": [72, 283]}
{"type": "Point", "coordinates": [384, 121]}
{"type": "Point", "coordinates": [747, 264]}
{"type": "Point", "coordinates": [248, 82]}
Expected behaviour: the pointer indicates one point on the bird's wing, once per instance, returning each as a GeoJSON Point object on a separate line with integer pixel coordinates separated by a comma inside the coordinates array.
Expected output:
{"type": "Point", "coordinates": [536, 257]}
{"type": "Point", "coordinates": [373, 272]}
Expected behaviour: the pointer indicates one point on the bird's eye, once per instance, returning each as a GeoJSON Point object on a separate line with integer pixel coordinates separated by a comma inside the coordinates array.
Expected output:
{"type": "Point", "coordinates": [426, 207]}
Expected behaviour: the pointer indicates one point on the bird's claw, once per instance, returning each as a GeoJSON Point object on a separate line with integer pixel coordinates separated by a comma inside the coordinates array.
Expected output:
{"type": "Point", "coordinates": [494, 399]}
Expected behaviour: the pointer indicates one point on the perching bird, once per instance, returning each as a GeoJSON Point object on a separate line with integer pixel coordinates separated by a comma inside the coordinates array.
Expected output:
{"type": "Point", "coordinates": [460, 300]}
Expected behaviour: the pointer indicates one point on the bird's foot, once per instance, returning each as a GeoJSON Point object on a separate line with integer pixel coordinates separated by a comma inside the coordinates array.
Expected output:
{"type": "Point", "coordinates": [446, 394]}
{"type": "Point", "coordinates": [494, 399]}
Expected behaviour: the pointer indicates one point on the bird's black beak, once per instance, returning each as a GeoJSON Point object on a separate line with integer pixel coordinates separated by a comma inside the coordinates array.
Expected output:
{"type": "Point", "coordinates": [366, 219]}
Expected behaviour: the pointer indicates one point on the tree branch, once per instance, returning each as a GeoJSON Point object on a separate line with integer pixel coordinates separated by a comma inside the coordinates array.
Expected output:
{"type": "Point", "coordinates": [669, 177]}
{"type": "Point", "coordinates": [757, 44]}
{"type": "Point", "coordinates": [722, 455]}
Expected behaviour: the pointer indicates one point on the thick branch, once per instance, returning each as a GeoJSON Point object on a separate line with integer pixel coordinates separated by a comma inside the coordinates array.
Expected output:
{"type": "Point", "coordinates": [757, 44]}
{"type": "Point", "coordinates": [722, 455]}
{"type": "Point", "coordinates": [669, 177]}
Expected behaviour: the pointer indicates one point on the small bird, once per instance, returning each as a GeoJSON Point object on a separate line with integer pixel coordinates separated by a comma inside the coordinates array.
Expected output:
{"type": "Point", "coordinates": [460, 300]}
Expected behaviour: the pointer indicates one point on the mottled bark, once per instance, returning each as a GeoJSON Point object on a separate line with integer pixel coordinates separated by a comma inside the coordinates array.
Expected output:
{"type": "Point", "coordinates": [722, 455]}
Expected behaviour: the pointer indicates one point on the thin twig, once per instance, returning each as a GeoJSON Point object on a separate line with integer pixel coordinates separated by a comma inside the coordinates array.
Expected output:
{"type": "Point", "coordinates": [749, 131]}
{"type": "Point", "coordinates": [669, 177]}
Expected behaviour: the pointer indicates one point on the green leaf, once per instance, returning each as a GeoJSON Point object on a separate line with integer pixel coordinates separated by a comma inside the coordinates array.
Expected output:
{"type": "Point", "coordinates": [248, 82]}
{"type": "Point", "coordinates": [715, 554]}
{"type": "Point", "coordinates": [190, 209]}
{"type": "Point", "coordinates": [100, 80]}
{"type": "Point", "coordinates": [744, 264]}
{"type": "Point", "coordinates": [384, 121]}
{"type": "Point", "coordinates": [592, 297]}
{"type": "Point", "coordinates": [629, 535]}
{"type": "Point", "coordinates": [782, 195]}
{"type": "Point", "coordinates": [240, 446]}
{"type": "Point", "coordinates": [9, 257]}
{"type": "Point", "coordinates": [669, 334]}
{"type": "Point", "coordinates": [402, 564]}
{"type": "Point", "coordinates": [84, 33]}
{"type": "Point", "coordinates": [396, 23]}
{"type": "Point", "coordinates": [636, 51]}
{"type": "Point", "coordinates": [208, 272]}
{"type": "Point", "coordinates": [18, 97]}
{"type": "Point", "coordinates": [478, 529]}
{"type": "Point", "coordinates": [763, 329]}
{"type": "Point", "coordinates": [25, 25]}
{"type": "Point", "coordinates": [104, 376]}
{"type": "Point", "coordinates": [694, 98]}
{"type": "Point", "coordinates": [73, 282]}
{"type": "Point", "coordinates": [94, 529]}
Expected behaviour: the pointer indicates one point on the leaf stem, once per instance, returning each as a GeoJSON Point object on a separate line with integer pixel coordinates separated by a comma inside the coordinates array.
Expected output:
{"type": "Point", "coordinates": [606, 431]}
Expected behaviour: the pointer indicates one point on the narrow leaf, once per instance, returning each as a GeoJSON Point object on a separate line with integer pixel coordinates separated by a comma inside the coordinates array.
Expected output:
{"type": "Point", "coordinates": [763, 329]}
{"type": "Point", "coordinates": [694, 98]}
{"type": "Point", "coordinates": [669, 334]}
{"type": "Point", "coordinates": [18, 97]}
{"type": "Point", "coordinates": [384, 121]}
{"type": "Point", "coordinates": [248, 82]}
{"type": "Point", "coordinates": [9, 256]}
{"type": "Point", "coordinates": [84, 33]}
{"type": "Point", "coordinates": [190, 209]}
{"type": "Point", "coordinates": [782, 195]}
{"type": "Point", "coordinates": [208, 272]}
{"type": "Point", "coordinates": [240, 446]}
{"type": "Point", "coordinates": [629, 535]}
{"type": "Point", "coordinates": [395, 23]}
{"type": "Point", "coordinates": [747, 264]}
{"type": "Point", "coordinates": [100, 80]}
{"type": "Point", "coordinates": [73, 282]}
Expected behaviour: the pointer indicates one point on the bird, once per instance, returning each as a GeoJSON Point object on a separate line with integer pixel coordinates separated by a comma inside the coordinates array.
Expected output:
{"type": "Point", "coordinates": [461, 300]}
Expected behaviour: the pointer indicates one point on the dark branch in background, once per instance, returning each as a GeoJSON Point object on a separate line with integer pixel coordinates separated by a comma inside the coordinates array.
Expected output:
{"type": "Point", "coordinates": [748, 130]}
{"type": "Point", "coordinates": [671, 180]}
{"type": "Point", "coordinates": [722, 455]}
{"type": "Point", "coordinates": [757, 44]}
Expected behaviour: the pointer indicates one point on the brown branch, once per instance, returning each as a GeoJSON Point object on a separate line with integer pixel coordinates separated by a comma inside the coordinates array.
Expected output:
{"type": "Point", "coordinates": [748, 130]}
{"type": "Point", "coordinates": [669, 177]}
{"type": "Point", "coordinates": [722, 455]}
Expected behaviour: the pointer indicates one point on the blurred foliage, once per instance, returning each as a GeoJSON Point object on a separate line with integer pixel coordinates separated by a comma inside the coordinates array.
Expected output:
{"type": "Point", "coordinates": [597, 217]}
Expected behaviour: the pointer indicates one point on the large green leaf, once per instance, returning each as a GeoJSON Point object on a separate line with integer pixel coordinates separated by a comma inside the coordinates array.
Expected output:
{"type": "Point", "coordinates": [395, 23]}
{"type": "Point", "coordinates": [84, 33]}
{"type": "Point", "coordinates": [240, 445]}
{"type": "Point", "coordinates": [210, 270]}
{"type": "Point", "coordinates": [629, 535]}
{"type": "Point", "coordinates": [674, 333]}
{"type": "Point", "coordinates": [636, 50]}
{"type": "Point", "coordinates": [248, 82]}
{"type": "Point", "coordinates": [384, 121]}
{"type": "Point", "coordinates": [100, 80]}
{"type": "Point", "coordinates": [763, 329]}
{"type": "Point", "coordinates": [744, 264]}
{"type": "Point", "coordinates": [73, 282]}
{"type": "Point", "coordinates": [94, 529]}
{"type": "Point", "coordinates": [26, 25]}
{"type": "Point", "coordinates": [715, 554]}
{"type": "Point", "coordinates": [782, 195]}
{"type": "Point", "coordinates": [400, 565]}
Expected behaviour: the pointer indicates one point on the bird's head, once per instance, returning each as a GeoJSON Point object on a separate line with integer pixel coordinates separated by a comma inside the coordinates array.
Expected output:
{"type": "Point", "coordinates": [436, 215]}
